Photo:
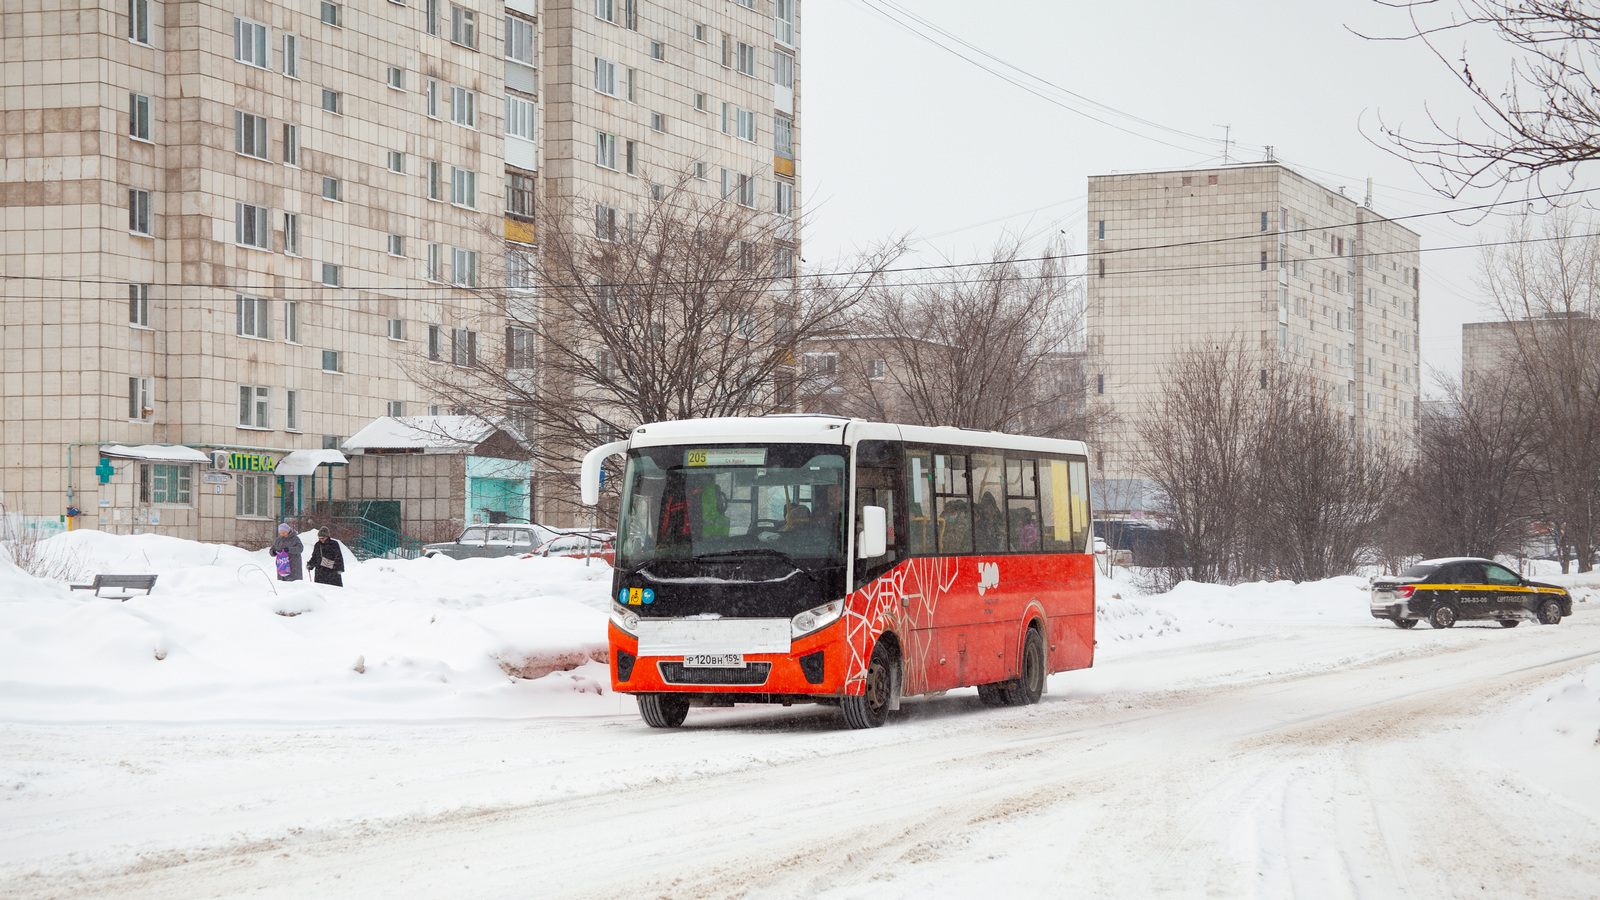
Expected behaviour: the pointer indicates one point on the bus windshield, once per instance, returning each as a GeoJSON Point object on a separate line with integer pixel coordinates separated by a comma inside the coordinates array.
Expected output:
{"type": "Point", "coordinates": [711, 503]}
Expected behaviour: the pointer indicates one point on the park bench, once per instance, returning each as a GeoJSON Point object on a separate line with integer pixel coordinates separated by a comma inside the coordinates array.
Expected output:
{"type": "Point", "coordinates": [126, 582]}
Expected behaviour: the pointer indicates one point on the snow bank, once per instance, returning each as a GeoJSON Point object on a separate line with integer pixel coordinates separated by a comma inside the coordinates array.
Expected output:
{"type": "Point", "coordinates": [219, 637]}
{"type": "Point", "coordinates": [1553, 739]}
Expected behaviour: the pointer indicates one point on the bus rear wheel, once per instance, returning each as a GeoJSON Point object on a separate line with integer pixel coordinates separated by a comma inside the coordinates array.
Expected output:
{"type": "Point", "coordinates": [1030, 685]}
{"type": "Point", "coordinates": [870, 708]}
{"type": "Point", "coordinates": [663, 710]}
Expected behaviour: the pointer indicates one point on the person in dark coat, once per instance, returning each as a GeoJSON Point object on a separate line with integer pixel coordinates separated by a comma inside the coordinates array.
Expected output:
{"type": "Point", "coordinates": [288, 544]}
{"type": "Point", "coordinates": [327, 560]}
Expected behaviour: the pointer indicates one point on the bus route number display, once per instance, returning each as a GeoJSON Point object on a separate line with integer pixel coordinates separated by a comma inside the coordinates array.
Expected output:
{"type": "Point", "coordinates": [752, 457]}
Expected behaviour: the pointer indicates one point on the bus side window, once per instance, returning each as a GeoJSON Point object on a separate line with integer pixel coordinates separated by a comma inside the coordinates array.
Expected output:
{"type": "Point", "coordinates": [876, 487]}
{"type": "Point", "coordinates": [1080, 505]}
{"type": "Point", "coordinates": [952, 504]}
{"type": "Point", "coordinates": [1022, 505]}
{"type": "Point", "coordinates": [988, 511]}
{"type": "Point", "coordinates": [921, 530]}
{"type": "Point", "coordinates": [1055, 506]}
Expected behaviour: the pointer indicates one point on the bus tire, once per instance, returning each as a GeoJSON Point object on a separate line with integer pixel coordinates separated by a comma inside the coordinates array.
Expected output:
{"type": "Point", "coordinates": [870, 708]}
{"type": "Point", "coordinates": [992, 695]}
{"type": "Point", "coordinates": [1030, 681]}
{"type": "Point", "coordinates": [663, 710]}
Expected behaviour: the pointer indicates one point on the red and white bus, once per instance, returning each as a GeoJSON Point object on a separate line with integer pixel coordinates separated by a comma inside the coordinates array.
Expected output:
{"type": "Point", "coordinates": [788, 559]}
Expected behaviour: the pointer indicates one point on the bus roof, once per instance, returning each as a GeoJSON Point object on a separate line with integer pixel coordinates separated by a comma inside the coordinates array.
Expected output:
{"type": "Point", "coordinates": [818, 429]}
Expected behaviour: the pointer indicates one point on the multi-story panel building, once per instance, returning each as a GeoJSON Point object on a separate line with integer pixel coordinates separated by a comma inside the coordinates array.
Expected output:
{"type": "Point", "coordinates": [244, 227]}
{"type": "Point", "coordinates": [1260, 256]}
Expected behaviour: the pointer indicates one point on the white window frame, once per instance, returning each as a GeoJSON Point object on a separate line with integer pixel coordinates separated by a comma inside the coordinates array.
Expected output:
{"type": "Point", "coordinates": [463, 27]}
{"type": "Point", "coordinates": [252, 317]}
{"type": "Point", "coordinates": [783, 22]}
{"type": "Point", "coordinates": [431, 17]}
{"type": "Point", "coordinates": [431, 93]}
{"type": "Point", "coordinates": [252, 226]}
{"type": "Point", "coordinates": [397, 246]}
{"type": "Point", "coordinates": [291, 145]}
{"type": "Point", "coordinates": [747, 125]}
{"type": "Point", "coordinates": [397, 329]}
{"type": "Point", "coordinates": [249, 134]}
{"type": "Point", "coordinates": [140, 398]}
{"type": "Point", "coordinates": [291, 322]}
{"type": "Point", "coordinates": [396, 408]}
{"type": "Point", "coordinates": [338, 101]}
{"type": "Point", "coordinates": [331, 356]}
{"type": "Point", "coordinates": [521, 41]}
{"type": "Point", "coordinates": [336, 186]}
{"type": "Point", "coordinates": [463, 188]}
{"type": "Point", "coordinates": [606, 10]}
{"type": "Point", "coordinates": [253, 496]}
{"type": "Point", "coordinates": [521, 118]}
{"type": "Point", "coordinates": [250, 42]}
{"type": "Point", "coordinates": [783, 199]}
{"type": "Point", "coordinates": [291, 234]}
{"type": "Point", "coordinates": [463, 107]}
{"type": "Point", "coordinates": [396, 78]}
{"type": "Point", "coordinates": [139, 21]}
{"type": "Point", "coordinates": [463, 267]}
{"type": "Point", "coordinates": [139, 305]}
{"type": "Point", "coordinates": [605, 150]}
{"type": "Point", "coordinates": [291, 56]}
{"type": "Point", "coordinates": [331, 14]}
{"type": "Point", "coordinates": [435, 263]}
{"type": "Point", "coordinates": [464, 347]}
{"type": "Point", "coordinates": [141, 217]}
{"type": "Point", "coordinates": [139, 116]}
{"type": "Point", "coordinates": [255, 407]}
{"type": "Point", "coordinates": [433, 177]}
{"type": "Point", "coordinates": [605, 223]}
{"type": "Point", "coordinates": [397, 162]}
{"type": "Point", "coordinates": [744, 58]}
{"type": "Point", "coordinates": [291, 410]}
{"type": "Point", "coordinates": [332, 276]}
{"type": "Point", "coordinates": [605, 76]}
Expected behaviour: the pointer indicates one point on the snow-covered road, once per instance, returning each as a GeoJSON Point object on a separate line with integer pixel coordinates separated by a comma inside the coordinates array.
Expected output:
{"type": "Point", "coordinates": [1315, 759]}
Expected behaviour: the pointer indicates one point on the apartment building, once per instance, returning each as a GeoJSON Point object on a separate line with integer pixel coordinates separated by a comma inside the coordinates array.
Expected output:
{"type": "Point", "coordinates": [1490, 349]}
{"type": "Point", "coordinates": [1261, 256]}
{"type": "Point", "coordinates": [232, 232]}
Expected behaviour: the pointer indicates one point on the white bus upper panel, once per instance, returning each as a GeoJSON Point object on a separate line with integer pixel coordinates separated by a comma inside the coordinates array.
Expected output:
{"type": "Point", "coordinates": [803, 429]}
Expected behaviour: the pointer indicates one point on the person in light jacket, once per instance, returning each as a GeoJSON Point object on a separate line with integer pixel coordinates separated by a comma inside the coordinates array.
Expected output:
{"type": "Point", "coordinates": [327, 560]}
{"type": "Point", "coordinates": [288, 544]}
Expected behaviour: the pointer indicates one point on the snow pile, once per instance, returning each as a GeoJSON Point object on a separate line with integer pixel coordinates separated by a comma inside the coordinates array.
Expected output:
{"type": "Point", "coordinates": [1553, 738]}
{"type": "Point", "coordinates": [219, 637]}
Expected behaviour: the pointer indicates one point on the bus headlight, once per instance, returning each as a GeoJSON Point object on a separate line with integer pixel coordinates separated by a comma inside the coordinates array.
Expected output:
{"type": "Point", "coordinates": [814, 619]}
{"type": "Point", "coordinates": [625, 619]}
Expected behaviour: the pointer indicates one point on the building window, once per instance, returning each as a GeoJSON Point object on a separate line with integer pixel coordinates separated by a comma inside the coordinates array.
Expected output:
{"type": "Point", "coordinates": [332, 14]}
{"type": "Point", "coordinates": [519, 272]}
{"type": "Point", "coordinates": [464, 187]}
{"type": "Point", "coordinates": [251, 226]}
{"type": "Point", "coordinates": [700, 102]}
{"type": "Point", "coordinates": [877, 369]}
{"type": "Point", "coordinates": [820, 364]}
{"type": "Point", "coordinates": [434, 341]}
{"type": "Point", "coordinates": [397, 329]}
{"type": "Point", "coordinates": [747, 256]}
{"type": "Point", "coordinates": [138, 211]}
{"type": "Point", "coordinates": [783, 136]}
{"type": "Point", "coordinates": [630, 85]}
{"type": "Point", "coordinates": [699, 171]}
{"type": "Point", "coordinates": [432, 95]}
{"type": "Point", "coordinates": [433, 264]}
{"type": "Point", "coordinates": [396, 408]}
{"type": "Point", "coordinates": [397, 78]}
{"type": "Point", "coordinates": [432, 180]}
{"type": "Point", "coordinates": [747, 125]}
{"type": "Point", "coordinates": [251, 317]}
{"type": "Point", "coordinates": [291, 410]}
{"type": "Point", "coordinates": [463, 27]}
{"type": "Point", "coordinates": [432, 17]}
{"type": "Point", "coordinates": [332, 442]}
{"type": "Point", "coordinates": [139, 21]}
{"type": "Point", "coordinates": [330, 361]}
{"type": "Point", "coordinates": [164, 483]}
{"type": "Point", "coordinates": [783, 69]}
{"type": "Point", "coordinates": [464, 347]}
{"type": "Point", "coordinates": [783, 199]}
{"type": "Point", "coordinates": [747, 191]}
{"type": "Point", "coordinates": [463, 267]}
{"type": "Point", "coordinates": [605, 222]}
{"type": "Point", "coordinates": [139, 116]}
{"type": "Point", "coordinates": [658, 122]}
{"type": "Point", "coordinates": [332, 101]}
{"type": "Point", "coordinates": [783, 21]}
{"type": "Point", "coordinates": [331, 189]}
{"type": "Point", "coordinates": [782, 262]}
{"type": "Point", "coordinates": [250, 42]}
{"type": "Point", "coordinates": [519, 195]}
{"type": "Point", "coordinates": [605, 149]}
{"type": "Point", "coordinates": [630, 157]}
{"type": "Point", "coordinates": [606, 9]}
{"type": "Point", "coordinates": [254, 497]}
{"type": "Point", "coordinates": [291, 234]}
{"type": "Point", "coordinates": [655, 50]}
{"type": "Point", "coordinates": [291, 56]}
{"type": "Point", "coordinates": [140, 407]}
{"type": "Point", "coordinates": [139, 305]}
{"type": "Point", "coordinates": [605, 76]}
{"type": "Point", "coordinates": [330, 274]}
{"type": "Point", "coordinates": [397, 162]}
{"type": "Point", "coordinates": [397, 245]}
{"type": "Point", "coordinates": [249, 134]}
{"type": "Point", "coordinates": [520, 40]}
{"type": "Point", "coordinates": [255, 406]}
{"type": "Point", "coordinates": [291, 322]}
{"type": "Point", "coordinates": [520, 118]}
{"type": "Point", "coordinates": [291, 144]}
{"type": "Point", "coordinates": [1099, 384]}
{"type": "Point", "coordinates": [463, 107]}
{"type": "Point", "coordinates": [1264, 221]}
{"type": "Point", "coordinates": [630, 14]}
{"type": "Point", "coordinates": [745, 58]}
{"type": "Point", "coordinates": [519, 348]}
{"type": "Point", "coordinates": [700, 33]}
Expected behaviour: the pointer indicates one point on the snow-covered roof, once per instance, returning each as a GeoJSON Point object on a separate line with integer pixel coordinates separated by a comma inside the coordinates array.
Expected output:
{"type": "Point", "coordinates": [156, 453]}
{"type": "Point", "coordinates": [427, 434]}
{"type": "Point", "coordinates": [305, 462]}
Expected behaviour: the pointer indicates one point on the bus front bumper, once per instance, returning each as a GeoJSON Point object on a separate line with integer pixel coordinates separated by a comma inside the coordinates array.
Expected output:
{"type": "Point", "coordinates": [814, 667]}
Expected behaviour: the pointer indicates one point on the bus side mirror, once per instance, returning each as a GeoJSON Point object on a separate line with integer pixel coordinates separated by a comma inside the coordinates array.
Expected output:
{"type": "Point", "coordinates": [589, 474]}
{"type": "Point", "coordinates": [874, 539]}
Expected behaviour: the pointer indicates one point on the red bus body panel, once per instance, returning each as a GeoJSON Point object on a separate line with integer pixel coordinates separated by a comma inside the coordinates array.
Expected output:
{"type": "Point", "coordinates": [959, 620]}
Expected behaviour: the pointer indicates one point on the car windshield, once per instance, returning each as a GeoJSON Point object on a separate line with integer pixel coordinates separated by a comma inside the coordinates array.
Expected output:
{"type": "Point", "coordinates": [707, 502]}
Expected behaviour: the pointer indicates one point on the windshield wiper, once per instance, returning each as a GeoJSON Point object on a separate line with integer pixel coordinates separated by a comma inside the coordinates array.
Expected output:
{"type": "Point", "coordinates": [758, 551]}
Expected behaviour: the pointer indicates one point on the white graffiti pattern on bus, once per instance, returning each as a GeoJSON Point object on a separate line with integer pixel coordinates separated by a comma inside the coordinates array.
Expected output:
{"type": "Point", "coordinates": [903, 600]}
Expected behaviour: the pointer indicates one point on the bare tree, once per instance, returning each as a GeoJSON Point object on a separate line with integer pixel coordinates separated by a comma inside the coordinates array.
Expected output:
{"type": "Point", "coordinates": [689, 307]}
{"type": "Point", "coordinates": [996, 346]}
{"type": "Point", "coordinates": [1545, 119]}
{"type": "Point", "coordinates": [1548, 293]}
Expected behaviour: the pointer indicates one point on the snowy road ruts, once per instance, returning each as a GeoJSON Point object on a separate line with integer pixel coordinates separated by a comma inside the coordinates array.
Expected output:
{"type": "Point", "coordinates": [1303, 761]}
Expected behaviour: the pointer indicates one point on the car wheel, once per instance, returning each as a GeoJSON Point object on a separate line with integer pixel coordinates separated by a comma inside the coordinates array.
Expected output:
{"type": "Point", "coordinates": [870, 708]}
{"type": "Point", "coordinates": [1031, 686]}
{"type": "Point", "coordinates": [1508, 623]}
{"type": "Point", "coordinates": [1406, 623]}
{"type": "Point", "coordinates": [663, 710]}
{"type": "Point", "coordinates": [1550, 612]}
{"type": "Point", "coordinates": [1443, 616]}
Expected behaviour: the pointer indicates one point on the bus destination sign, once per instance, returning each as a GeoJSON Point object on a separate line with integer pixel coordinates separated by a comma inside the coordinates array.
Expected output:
{"type": "Point", "coordinates": [751, 457]}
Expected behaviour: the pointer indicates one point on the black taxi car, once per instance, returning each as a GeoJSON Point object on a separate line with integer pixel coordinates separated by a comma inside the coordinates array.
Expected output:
{"type": "Point", "coordinates": [1445, 591]}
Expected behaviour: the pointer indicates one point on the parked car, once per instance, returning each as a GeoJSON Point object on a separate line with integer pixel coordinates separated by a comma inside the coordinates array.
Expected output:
{"type": "Point", "coordinates": [1445, 591]}
{"type": "Point", "coordinates": [496, 540]}
{"type": "Point", "coordinates": [597, 544]}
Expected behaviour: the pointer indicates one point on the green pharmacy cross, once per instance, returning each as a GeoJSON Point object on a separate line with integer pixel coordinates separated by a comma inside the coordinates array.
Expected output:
{"type": "Point", "coordinates": [104, 470]}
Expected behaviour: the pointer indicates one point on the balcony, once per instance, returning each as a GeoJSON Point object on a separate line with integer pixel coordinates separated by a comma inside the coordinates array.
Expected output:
{"type": "Point", "coordinates": [783, 166]}
{"type": "Point", "coordinates": [519, 231]}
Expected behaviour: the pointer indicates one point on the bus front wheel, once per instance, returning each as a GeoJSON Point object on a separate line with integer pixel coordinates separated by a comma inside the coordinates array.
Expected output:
{"type": "Point", "coordinates": [663, 710]}
{"type": "Point", "coordinates": [1030, 686]}
{"type": "Point", "coordinates": [870, 708]}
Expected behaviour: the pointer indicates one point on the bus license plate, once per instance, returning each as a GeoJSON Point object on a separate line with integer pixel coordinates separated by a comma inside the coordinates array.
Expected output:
{"type": "Point", "coordinates": [714, 661]}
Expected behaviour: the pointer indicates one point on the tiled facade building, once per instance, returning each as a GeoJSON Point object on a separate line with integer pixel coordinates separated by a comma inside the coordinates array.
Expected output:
{"type": "Point", "coordinates": [243, 227]}
{"type": "Point", "coordinates": [1260, 256]}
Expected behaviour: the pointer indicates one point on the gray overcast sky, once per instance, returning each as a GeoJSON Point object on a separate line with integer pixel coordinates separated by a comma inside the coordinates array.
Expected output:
{"type": "Point", "coordinates": [901, 136]}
